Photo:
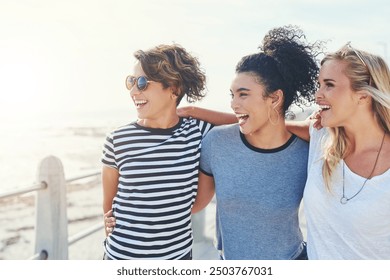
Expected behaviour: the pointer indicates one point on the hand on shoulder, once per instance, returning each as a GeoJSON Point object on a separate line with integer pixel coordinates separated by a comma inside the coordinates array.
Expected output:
{"type": "Point", "coordinates": [316, 118]}
{"type": "Point", "coordinates": [185, 111]}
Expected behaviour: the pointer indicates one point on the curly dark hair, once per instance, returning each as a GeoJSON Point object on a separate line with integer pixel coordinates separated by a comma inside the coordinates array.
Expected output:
{"type": "Point", "coordinates": [174, 67]}
{"type": "Point", "coordinates": [286, 62]}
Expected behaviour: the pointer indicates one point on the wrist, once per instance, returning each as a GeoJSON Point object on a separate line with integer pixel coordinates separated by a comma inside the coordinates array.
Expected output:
{"type": "Point", "coordinates": [191, 112]}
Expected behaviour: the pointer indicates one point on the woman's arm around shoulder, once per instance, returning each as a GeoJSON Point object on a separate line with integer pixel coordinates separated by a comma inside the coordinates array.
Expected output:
{"type": "Point", "coordinates": [206, 190]}
{"type": "Point", "coordinates": [110, 179]}
{"type": "Point", "coordinates": [207, 115]}
{"type": "Point", "coordinates": [302, 128]}
{"type": "Point", "coordinates": [299, 128]}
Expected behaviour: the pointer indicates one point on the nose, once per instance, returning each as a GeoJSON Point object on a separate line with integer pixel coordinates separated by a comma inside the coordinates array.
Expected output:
{"type": "Point", "coordinates": [134, 91]}
{"type": "Point", "coordinates": [233, 103]}
{"type": "Point", "coordinates": [318, 95]}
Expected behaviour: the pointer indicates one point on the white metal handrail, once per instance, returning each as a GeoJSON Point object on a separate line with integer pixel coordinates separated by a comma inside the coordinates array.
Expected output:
{"type": "Point", "coordinates": [82, 177]}
{"type": "Point", "coordinates": [78, 236]}
{"type": "Point", "coordinates": [24, 190]}
{"type": "Point", "coordinates": [51, 224]}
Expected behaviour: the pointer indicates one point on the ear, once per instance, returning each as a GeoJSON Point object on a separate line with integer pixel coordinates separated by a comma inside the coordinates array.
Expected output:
{"type": "Point", "coordinates": [363, 97]}
{"type": "Point", "coordinates": [174, 93]}
{"type": "Point", "coordinates": [277, 98]}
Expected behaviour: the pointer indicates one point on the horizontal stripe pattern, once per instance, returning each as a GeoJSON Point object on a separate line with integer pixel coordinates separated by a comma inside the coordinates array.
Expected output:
{"type": "Point", "coordinates": [158, 177]}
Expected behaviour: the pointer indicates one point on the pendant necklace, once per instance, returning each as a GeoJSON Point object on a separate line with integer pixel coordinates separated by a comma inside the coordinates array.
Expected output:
{"type": "Point", "coordinates": [344, 199]}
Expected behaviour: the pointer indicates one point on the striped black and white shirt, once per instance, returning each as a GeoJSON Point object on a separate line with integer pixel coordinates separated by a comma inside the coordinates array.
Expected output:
{"type": "Point", "coordinates": [158, 178]}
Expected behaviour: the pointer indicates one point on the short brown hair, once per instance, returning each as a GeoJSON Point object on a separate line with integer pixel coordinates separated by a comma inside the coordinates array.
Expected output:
{"type": "Point", "coordinates": [174, 67]}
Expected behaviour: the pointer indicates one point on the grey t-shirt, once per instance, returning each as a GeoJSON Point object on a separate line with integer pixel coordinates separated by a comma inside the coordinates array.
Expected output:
{"type": "Point", "coordinates": [258, 194]}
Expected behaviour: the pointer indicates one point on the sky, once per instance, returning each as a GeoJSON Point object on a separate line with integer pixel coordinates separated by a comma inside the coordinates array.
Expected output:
{"type": "Point", "coordinates": [71, 57]}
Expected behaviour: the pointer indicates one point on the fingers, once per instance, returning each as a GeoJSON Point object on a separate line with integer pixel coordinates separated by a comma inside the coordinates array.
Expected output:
{"type": "Point", "coordinates": [181, 112]}
{"type": "Point", "coordinates": [184, 111]}
{"type": "Point", "coordinates": [317, 117]}
{"type": "Point", "coordinates": [109, 229]}
{"type": "Point", "coordinates": [109, 221]}
{"type": "Point", "coordinates": [317, 124]}
{"type": "Point", "coordinates": [108, 214]}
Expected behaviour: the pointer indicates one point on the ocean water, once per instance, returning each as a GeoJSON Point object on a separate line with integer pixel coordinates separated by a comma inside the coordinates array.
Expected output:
{"type": "Point", "coordinates": [76, 139]}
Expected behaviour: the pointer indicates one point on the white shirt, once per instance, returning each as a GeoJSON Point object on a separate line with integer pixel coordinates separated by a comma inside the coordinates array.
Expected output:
{"type": "Point", "coordinates": [359, 229]}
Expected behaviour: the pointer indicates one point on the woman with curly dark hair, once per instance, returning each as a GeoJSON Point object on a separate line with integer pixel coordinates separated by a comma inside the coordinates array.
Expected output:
{"type": "Point", "coordinates": [257, 168]}
{"type": "Point", "coordinates": [150, 166]}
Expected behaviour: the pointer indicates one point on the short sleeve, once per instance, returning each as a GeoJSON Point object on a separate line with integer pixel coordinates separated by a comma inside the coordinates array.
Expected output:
{"type": "Point", "coordinates": [204, 127]}
{"type": "Point", "coordinates": [206, 155]}
{"type": "Point", "coordinates": [317, 143]}
{"type": "Point", "coordinates": [108, 156]}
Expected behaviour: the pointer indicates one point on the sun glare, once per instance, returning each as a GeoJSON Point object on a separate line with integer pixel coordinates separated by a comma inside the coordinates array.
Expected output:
{"type": "Point", "coordinates": [22, 86]}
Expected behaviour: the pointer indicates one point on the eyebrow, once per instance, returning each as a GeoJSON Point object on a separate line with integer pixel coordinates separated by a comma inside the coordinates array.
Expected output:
{"type": "Point", "coordinates": [329, 80]}
{"type": "Point", "coordinates": [241, 89]}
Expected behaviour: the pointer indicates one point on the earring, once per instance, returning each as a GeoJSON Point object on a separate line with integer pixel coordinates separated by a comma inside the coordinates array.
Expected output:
{"type": "Point", "coordinates": [270, 118]}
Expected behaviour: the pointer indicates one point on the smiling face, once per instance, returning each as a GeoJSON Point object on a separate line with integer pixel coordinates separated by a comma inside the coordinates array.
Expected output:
{"type": "Point", "coordinates": [154, 103]}
{"type": "Point", "coordinates": [249, 104]}
{"type": "Point", "coordinates": [335, 96]}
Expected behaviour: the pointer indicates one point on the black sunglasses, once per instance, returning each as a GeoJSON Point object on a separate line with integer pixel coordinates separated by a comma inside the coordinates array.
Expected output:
{"type": "Point", "coordinates": [142, 82]}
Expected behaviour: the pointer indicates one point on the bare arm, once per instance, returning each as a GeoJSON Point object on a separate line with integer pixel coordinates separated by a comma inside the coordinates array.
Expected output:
{"type": "Point", "coordinates": [211, 116]}
{"type": "Point", "coordinates": [299, 128]}
{"type": "Point", "coordinates": [110, 178]}
{"type": "Point", "coordinates": [206, 190]}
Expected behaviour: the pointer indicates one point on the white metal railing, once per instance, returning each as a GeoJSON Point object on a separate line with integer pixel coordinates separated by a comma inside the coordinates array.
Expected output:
{"type": "Point", "coordinates": [51, 222]}
{"type": "Point", "coordinates": [23, 190]}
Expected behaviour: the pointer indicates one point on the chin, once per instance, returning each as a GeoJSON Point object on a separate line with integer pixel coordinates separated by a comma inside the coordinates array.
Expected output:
{"type": "Point", "coordinates": [244, 131]}
{"type": "Point", "coordinates": [141, 116]}
{"type": "Point", "coordinates": [328, 124]}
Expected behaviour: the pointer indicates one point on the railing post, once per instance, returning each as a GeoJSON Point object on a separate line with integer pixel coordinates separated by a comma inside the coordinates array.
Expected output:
{"type": "Point", "coordinates": [51, 227]}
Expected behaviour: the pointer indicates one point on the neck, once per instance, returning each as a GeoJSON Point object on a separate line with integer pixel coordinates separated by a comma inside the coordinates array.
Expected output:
{"type": "Point", "coordinates": [363, 136]}
{"type": "Point", "coordinates": [160, 122]}
{"type": "Point", "coordinates": [270, 137]}
{"type": "Point", "coordinates": [362, 130]}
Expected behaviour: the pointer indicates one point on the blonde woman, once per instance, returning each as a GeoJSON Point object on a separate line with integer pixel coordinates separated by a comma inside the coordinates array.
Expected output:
{"type": "Point", "coordinates": [347, 194]}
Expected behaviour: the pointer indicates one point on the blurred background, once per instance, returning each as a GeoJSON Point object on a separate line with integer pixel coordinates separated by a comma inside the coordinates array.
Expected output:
{"type": "Point", "coordinates": [63, 63]}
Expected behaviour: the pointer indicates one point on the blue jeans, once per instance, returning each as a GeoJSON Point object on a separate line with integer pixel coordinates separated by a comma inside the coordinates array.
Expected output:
{"type": "Point", "coordinates": [301, 256]}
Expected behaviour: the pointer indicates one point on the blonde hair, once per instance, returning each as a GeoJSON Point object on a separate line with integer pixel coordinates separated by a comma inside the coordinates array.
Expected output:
{"type": "Point", "coordinates": [366, 72]}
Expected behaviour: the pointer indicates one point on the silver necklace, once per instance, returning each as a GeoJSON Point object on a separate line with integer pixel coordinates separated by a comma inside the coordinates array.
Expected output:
{"type": "Point", "coordinates": [344, 199]}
